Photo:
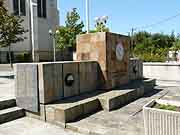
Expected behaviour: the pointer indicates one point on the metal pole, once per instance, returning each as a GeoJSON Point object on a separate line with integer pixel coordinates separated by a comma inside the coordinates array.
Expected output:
{"type": "Point", "coordinates": [54, 47]}
{"type": "Point", "coordinates": [32, 28]}
{"type": "Point", "coordinates": [87, 16]}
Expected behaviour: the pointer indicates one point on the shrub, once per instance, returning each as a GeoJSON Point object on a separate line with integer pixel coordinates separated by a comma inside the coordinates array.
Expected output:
{"type": "Point", "coordinates": [23, 57]}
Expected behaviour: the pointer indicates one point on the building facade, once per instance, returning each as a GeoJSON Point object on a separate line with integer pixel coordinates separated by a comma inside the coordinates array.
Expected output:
{"type": "Point", "coordinates": [39, 17]}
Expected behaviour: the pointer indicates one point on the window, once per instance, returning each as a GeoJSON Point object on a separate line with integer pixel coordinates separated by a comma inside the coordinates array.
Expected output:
{"type": "Point", "coordinates": [42, 8]}
{"type": "Point", "coordinates": [19, 7]}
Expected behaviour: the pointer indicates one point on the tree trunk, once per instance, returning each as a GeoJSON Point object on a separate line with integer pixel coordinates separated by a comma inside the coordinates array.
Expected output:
{"type": "Point", "coordinates": [10, 59]}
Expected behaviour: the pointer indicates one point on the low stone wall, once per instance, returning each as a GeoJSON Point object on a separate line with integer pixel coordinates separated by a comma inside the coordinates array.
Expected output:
{"type": "Point", "coordinates": [166, 74]}
{"type": "Point", "coordinates": [48, 82]}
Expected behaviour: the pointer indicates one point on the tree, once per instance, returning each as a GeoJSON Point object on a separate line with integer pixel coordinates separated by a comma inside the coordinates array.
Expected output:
{"type": "Point", "coordinates": [154, 47]}
{"type": "Point", "coordinates": [11, 30]}
{"type": "Point", "coordinates": [176, 46]}
{"type": "Point", "coordinates": [66, 36]}
{"type": "Point", "coordinates": [101, 27]}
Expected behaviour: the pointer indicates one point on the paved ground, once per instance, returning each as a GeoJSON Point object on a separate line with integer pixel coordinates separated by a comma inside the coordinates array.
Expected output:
{"type": "Point", "coordinates": [29, 126]}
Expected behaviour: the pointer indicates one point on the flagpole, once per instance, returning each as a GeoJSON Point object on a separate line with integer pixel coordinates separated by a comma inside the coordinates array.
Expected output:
{"type": "Point", "coordinates": [87, 16]}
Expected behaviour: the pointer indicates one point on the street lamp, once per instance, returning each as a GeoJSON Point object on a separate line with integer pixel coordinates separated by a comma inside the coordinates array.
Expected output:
{"type": "Point", "coordinates": [53, 35]}
{"type": "Point", "coordinates": [101, 21]}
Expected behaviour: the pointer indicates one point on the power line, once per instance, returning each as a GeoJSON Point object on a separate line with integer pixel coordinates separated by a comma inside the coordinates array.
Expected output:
{"type": "Point", "coordinates": [159, 22]}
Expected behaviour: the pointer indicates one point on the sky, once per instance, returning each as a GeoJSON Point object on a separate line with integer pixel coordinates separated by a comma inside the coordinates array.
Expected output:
{"type": "Point", "coordinates": [127, 14]}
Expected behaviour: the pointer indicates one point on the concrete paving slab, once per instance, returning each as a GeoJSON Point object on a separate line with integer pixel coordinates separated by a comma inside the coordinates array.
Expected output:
{"type": "Point", "coordinates": [29, 126]}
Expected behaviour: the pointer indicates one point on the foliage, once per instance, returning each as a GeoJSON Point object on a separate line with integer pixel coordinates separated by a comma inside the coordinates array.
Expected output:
{"type": "Point", "coordinates": [23, 57]}
{"type": "Point", "coordinates": [66, 36]}
{"type": "Point", "coordinates": [101, 27]}
{"type": "Point", "coordinates": [165, 107]}
{"type": "Point", "coordinates": [11, 30]}
{"type": "Point", "coordinates": [153, 47]}
{"type": "Point", "coordinates": [176, 45]}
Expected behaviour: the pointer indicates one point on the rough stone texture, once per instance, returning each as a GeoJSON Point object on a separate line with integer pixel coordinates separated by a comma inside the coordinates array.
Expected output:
{"type": "Point", "coordinates": [101, 47]}
{"type": "Point", "coordinates": [50, 82]}
{"type": "Point", "coordinates": [88, 75]}
{"type": "Point", "coordinates": [26, 77]}
{"type": "Point", "coordinates": [135, 69]}
{"type": "Point", "coordinates": [71, 68]}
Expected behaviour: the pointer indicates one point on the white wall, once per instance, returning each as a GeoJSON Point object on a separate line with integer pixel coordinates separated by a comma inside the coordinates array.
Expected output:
{"type": "Point", "coordinates": [44, 42]}
{"type": "Point", "coordinates": [44, 24]}
{"type": "Point", "coordinates": [167, 74]}
{"type": "Point", "coordinates": [26, 44]}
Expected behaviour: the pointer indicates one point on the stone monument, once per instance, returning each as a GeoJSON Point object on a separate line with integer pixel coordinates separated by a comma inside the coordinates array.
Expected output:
{"type": "Point", "coordinates": [61, 92]}
{"type": "Point", "coordinates": [111, 51]}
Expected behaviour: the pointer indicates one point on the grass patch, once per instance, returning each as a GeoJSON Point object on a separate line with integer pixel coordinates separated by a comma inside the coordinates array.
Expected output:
{"type": "Point", "coordinates": [166, 107]}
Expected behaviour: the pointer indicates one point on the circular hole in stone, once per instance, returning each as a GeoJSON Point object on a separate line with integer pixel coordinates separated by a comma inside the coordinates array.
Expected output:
{"type": "Point", "coordinates": [69, 79]}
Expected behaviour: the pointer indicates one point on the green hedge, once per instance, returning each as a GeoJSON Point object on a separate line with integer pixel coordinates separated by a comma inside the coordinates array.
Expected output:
{"type": "Point", "coordinates": [152, 58]}
{"type": "Point", "coordinates": [23, 57]}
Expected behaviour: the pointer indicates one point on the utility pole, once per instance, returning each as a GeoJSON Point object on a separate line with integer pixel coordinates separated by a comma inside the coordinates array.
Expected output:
{"type": "Point", "coordinates": [87, 16]}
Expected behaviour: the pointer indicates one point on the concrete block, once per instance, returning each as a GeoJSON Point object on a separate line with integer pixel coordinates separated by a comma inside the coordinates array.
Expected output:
{"type": "Point", "coordinates": [88, 75]}
{"type": "Point", "coordinates": [50, 82]}
{"type": "Point", "coordinates": [71, 73]}
{"type": "Point", "coordinates": [71, 109]}
{"type": "Point", "coordinates": [117, 98]}
{"type": "Point", "coordinates": [149, 85]}
{"type": "Point", "coordinates": [91, 107]}
{"type": "Point", "coordinates": [135, 69]}
{"type": "Point", "coordinates": [26, 87]}
{"type": "Point", "coordinates": [102, 47]}
{"type": "Point", "coordinates": [58, 115]}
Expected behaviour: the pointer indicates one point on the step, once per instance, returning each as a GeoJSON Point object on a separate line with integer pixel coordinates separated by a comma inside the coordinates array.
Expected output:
{"type": "Point", "coordinates": [75, 108]}
{"type": "Point", "coordinates": [7, 103]}
{"type": "Point", "coordinates": [72, 109]}
{"type": "Point", "coordinates": [117, 98]}
{"type": "Point", "coordinates": [10, 114]}
{"type": "Point", "coordinates": [149, 84]}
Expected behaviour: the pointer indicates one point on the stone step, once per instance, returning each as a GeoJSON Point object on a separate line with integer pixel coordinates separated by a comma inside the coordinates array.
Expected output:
{"type": "Point", "coordinates": [7, 103]}
{"type": "Point", "coordinates": [72, 109]}
{"type": "Point", "coordinates": [10, 114]}
{"type": "Point", "coordinates": [75, 108]}
{"type": "Point", "coordinates": [117, 98]}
